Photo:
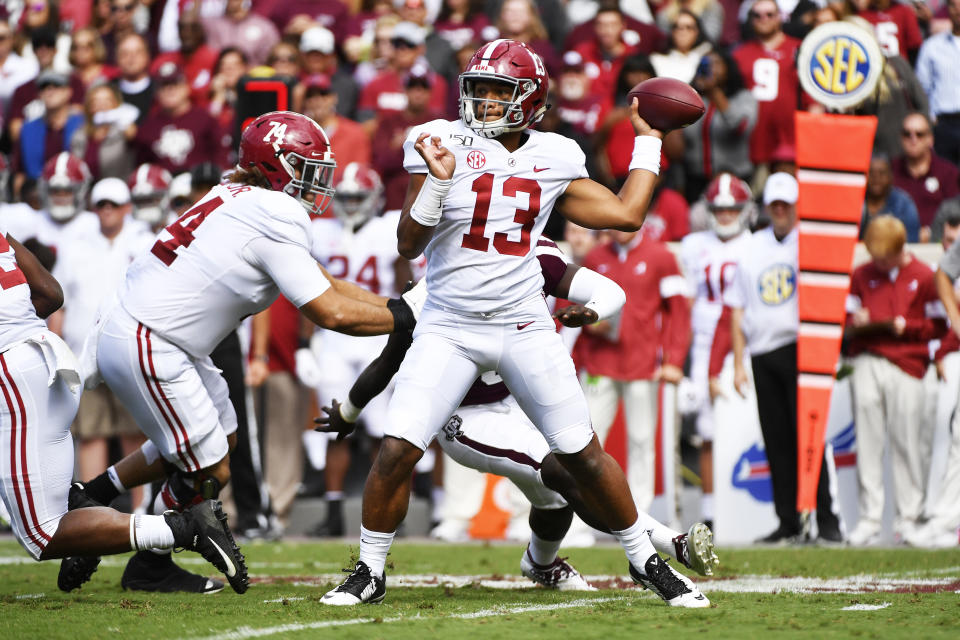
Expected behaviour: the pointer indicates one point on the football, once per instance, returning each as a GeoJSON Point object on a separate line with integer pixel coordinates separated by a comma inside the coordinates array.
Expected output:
{"type": "Point", "coordinates": [666, 103]}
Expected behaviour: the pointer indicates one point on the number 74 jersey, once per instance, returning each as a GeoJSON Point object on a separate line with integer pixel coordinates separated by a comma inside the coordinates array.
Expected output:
{"type": "Point", "coordinates": [481, 257]}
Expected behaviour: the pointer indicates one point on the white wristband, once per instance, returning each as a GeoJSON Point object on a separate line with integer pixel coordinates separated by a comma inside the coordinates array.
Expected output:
{"type": "Point", "coordinates": [646, 154]}
{"type": "Point", "coordinates": [428, 206]}
{"type": "Point", "coordinates": [349, 412]}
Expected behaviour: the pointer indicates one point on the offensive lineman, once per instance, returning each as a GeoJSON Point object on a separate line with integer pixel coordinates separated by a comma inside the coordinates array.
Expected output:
{"type": "Point", "coordinates": [39, 395]}
{"type": "Point", "coordinates": [491, 434]}
{"type": "Point", "coordinates": [477, 209]}
{"type": "Point", "coordinates": [226, 258]}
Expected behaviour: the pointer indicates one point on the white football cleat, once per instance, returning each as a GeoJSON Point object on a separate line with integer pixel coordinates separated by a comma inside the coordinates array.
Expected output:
{"type": "Point", "coordinates": [865, 534]}
{"type": "Point", "coordinates": [676, 589]}
{"type": "Point", "coordinates": [694, 549]}
{"type": "Point", "coordinates": [360, 587]}
{"type": "Point", "coordinates": [559, 574]}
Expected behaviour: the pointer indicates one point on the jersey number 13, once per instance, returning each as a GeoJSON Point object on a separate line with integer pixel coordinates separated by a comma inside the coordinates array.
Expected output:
{"type": "Point", "coordinates": [483, 187]}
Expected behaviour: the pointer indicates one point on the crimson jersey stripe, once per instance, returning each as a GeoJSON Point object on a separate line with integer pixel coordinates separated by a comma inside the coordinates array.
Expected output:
{"type": "Point", "coordinates": [7, 384]}
{"type": "Point", "coordinates": [146, 378]}
{"type": "Point", "coordinates": [166, 401]}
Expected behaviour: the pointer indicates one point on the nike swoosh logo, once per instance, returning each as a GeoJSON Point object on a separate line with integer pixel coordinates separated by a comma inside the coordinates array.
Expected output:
{"type": "Point", "coordinates": [231, 569]}
{"type": "Point", "coordinates": [523, 325]}
{"type": "Point", "coordinates": [538, 170]}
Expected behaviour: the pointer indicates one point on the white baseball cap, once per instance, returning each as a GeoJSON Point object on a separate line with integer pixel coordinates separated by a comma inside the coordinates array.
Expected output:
{"type": "Point", "coordinates": [317, 39]}
{"type": "Point", "coordinates": [409, 32]}
{"type": "Point", "coordinates": [780, 186]}
{"type": "Point", "coordinates": [112, 190]}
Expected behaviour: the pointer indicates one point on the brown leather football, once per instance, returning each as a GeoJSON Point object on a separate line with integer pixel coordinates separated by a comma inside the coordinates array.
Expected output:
{"type": "Point", "coordinates": [666, 103]}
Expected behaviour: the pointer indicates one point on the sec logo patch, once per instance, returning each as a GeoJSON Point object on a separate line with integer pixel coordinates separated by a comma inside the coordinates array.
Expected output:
{"type": "Point", "coordinates": [777, 284]}
{"type": "Point", "coordinates": [839, 64]}
{"type": "Point", "coordinates": [476, 160]}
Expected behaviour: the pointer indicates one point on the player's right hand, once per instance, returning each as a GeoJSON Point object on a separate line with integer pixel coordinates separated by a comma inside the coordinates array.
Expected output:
{"type": "Point", "coordinates": [440, 161]}
{"type": "Point", "coordinates": [308, 371]}
{"type": "Point", "coordinates": [333, 422]}
{"type": "Point", "coordinates": [640, 126]}
{"type": "Point", "coordinates": [575, 315]}
{"type": "Point", "coordinates": [740, 381]}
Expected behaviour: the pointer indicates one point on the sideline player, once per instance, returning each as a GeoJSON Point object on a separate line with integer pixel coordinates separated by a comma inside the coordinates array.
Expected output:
{"type": "Point", "coordinates": [709, 261]}
{"type": "Point", "coordinates": [477, 208]}
{"type": "Point", "coordinates": [490, 433]}
{"type": "Point", "coordinates": [39, 395]}
{"type": "Point", "coordinates": [226, 258]}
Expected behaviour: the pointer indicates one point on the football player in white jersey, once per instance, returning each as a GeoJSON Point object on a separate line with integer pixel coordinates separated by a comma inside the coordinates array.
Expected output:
{"type": "Point", "coordinates": [709, 261]}
{"type": "Point", "coordinates": [356, 245]}
{"type": "Point", "coordinates": [150, 191]}
{"type": "Point", "coordinates": [39, 395]}
{"type": "Point", "coordinates": [490, 433]}
{"type": "Point", "coordinates": [480, 192]}
{"type": "Point", "coordinates": [228, 257]}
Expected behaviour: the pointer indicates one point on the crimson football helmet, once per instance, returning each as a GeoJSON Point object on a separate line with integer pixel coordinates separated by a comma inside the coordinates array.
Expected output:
{"type": "Point", "coordinates": [63, 186]}
{"type": "Point", "coordinates": [727, 192]}
{"type": "Point", "coordinates": [359, 194]}
{"type": "Point", "coordinates": [293, 153]}
{"type": "Point", "coordinates": [512, 63]}
{"type": "Point", "coordinates": [150, 192]}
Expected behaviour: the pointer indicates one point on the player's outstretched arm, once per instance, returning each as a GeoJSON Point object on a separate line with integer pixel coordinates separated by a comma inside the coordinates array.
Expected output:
{"type": "Point", "coordinates": [353, 291]}
{"type": "Point", "coordinates": [45, 291]}
{"type": "Point", "coordinates": [423, 204]}
{"type": "Point", "coordinates": [590, 204]}
{"type": "Point", "coordinates": [343, 314]}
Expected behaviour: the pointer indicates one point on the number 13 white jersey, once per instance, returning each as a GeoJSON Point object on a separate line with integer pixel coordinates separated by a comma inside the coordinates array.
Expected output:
{"type": "Point", "coordinates": [481, 257]}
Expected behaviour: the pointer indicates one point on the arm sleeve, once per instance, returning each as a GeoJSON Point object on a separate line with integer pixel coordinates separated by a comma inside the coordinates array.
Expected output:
{"type": "Point", "coordinates": [553, 264]}
{"type": "Point", "coordinates": [596, 292]}
{"type": "Point", "coordinates": [933, 324]}
{"type": "Point", "coordinates": [949, 344]}
{"type": "Point", "coordinates": [290, 266]}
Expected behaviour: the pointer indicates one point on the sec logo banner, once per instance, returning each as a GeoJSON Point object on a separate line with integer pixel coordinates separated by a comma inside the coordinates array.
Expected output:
{"type": "Point", "coordinates": [476, 160]}
{"type": "Point", "coordinates": [777, 284]}
{"type": "Point", "coordinates": [839, 64]}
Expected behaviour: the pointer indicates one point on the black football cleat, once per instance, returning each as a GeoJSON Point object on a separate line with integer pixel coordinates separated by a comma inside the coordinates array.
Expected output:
{"type": "Point", "coordinates": [203, 528]}
{"type": "Point", "coordinates": [157, 572]}
{"type": "Point", "coordinates": [673, 588]}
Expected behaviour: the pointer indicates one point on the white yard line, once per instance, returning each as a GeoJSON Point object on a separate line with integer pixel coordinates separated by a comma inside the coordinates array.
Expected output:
{"type": "Point", "coordinates": [866, 607]}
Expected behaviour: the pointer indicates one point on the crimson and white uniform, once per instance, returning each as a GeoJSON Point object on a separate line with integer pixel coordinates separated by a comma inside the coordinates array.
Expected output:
{"type": "Point", "coordinates": [365, 257]}
{"type": "Point", "coordinates": [225, 259]}
{"type": "Point", "coordinates": [485, 309]}
{"type": "Point", "coordinates": [23, 222]}
{"type": "Point", "coordinates": [39, 394]}
{"type": "Point", "coordinates": [710, 265]}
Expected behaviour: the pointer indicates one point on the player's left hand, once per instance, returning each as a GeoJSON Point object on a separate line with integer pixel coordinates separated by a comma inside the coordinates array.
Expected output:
{"type": "Point", "coordinates": [333, 422]}
{"type": "Point", "coordinates": [576, 315]}
{"type": "Point", "coordinates": [669, 373]}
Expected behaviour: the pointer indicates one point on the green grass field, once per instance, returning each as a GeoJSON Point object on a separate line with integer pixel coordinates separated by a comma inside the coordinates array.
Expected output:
{"type": "Point", "coordinates": [799, 592]}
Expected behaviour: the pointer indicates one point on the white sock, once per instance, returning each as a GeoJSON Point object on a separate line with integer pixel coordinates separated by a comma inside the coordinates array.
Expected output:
{"type": "Point", "coordinates": [635, 541]}
{"type": "Point", "coordinates": [706, 506]}
{"type": "Point", "coordinates": [333, 495]}
{"type": "Point", "coordinates": [374, 547]}
{"type": "Point", "coordinates": [315, 444]}
{"type": "Point", "coordinates": [115, 479]}
{"type": "Point", "coordinates": [660, 534]}
{"type": "Point", "coordinates": [437, 497]}
{"type": "Point", "coordinates": [543, 552]}
{"type": "Point", "coordinates": [151, 532]}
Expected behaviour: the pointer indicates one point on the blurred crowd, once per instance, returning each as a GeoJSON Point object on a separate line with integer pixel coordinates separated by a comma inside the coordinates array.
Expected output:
{"type": "Point", "coordinates": [117, 114]}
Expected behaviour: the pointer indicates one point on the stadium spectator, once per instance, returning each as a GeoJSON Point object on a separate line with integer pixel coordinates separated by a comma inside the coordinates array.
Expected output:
{"type": "Point", "coordinates": [926, 177]}
{"type": "Point", "coordinates": [231, 65]}
{"type": "Point", "coordinates": [461, 22]}
{"type": "Point", "coordinates": [43, 16]}
{"type": "Point", "coordinates": [296, 16]}
{"type": "Point", "coordinates": [892, 315]}
{"type": "Point", "coordinates": [709, 14]}
{"type": "Point", "coordinates": [611, 44]}
{"type": "Point", "coordinates": [378, 54]}
{"type": "Point", "coordinates": [895, 25]}
{"type": "Point", "coordinates": [582, 110]}
{"type": "Point", "coordinates": [319, 57]}
{"type": "Point", "coordinates": [948, 216]}
{"type": "Point", "coordinates": [626, 358]}
{"type": "Point", "coordinates": [239, 28]}
{"type": "Point", "coordinates": [612, 146]}
{"type": "Point", "coordinates": [763, 321]}
{"type": "Point", "coordinates": [767, 64]}
{"type": "Point", "coordinates": [88, 57]}
{"type": "Point", "coordinates": [936, 67]}
{"type": "Point", "coordinates": [883, 198]}
{"type": "Point", "coordinates": [385, 93]}
{"type": "Point", "coordinates": [438, 51]}
{"type": "Point", "coordinates": [284, 59]}
{"type": "Point", "coordinates": [46, 136]}
{"type": "Point", "coordinates": [90, 268]}
{"type": "Point", "coordinates": [14, 70]}
{"type": "Point", "coordinates": [520, 20]}
{"type": "Point", "coordinates": [26, 103]}
{"type": "Point", "coordinates": [104, 140]}
{"type": "Point", "coordinates": [127, 17]}
{"type": "Point", "coordinates": [719, 141]}
{"type": "Point", "coordinates": [638, 29]}
{"type": "Point", "coordinates": [136, 85]}
{"type": "Point", "coordinates": [392, 130]}
{"type": "Point", "coordinates": [551, 13]}
{"type": "Point", "coordinates": [195, 58]}
{"type": "Point", "coordinates": [178, 135]}
{"type": "Point", "coordinates": [688, 44]}
{"type": "Point", "coordinates": [346, 136]}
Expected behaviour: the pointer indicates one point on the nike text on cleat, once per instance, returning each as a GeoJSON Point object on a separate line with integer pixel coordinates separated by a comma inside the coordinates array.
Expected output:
{"type": "Point", "coordinates": [76, 570]}
{"type": "Point", "coordinates": [360, 587]}
{"type": "Point", "coordinates": [559, 574]}
{"type": "Point", "coordinates": [203, 528]}
{"type": "Point", "coordinates": [695, 549]}
{"type": "Point", "coordinates": [674, 588]}
{"type": "Point", "coordinates": [523, 325]}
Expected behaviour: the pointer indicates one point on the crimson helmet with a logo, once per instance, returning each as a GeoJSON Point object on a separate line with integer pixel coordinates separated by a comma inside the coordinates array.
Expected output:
{"type": "Point", "coordinates": [359, 194]}
{"type": "Point", "coordinates": [293, 153]}
{"type": "Point", "coordinates": [63, 186]}
{"type": "Point", "coordinates": [512, 63]}
{"type": "Point", "coordinates": [727, 192]}
{"type": "Point", "coordinates": [150, 191]}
